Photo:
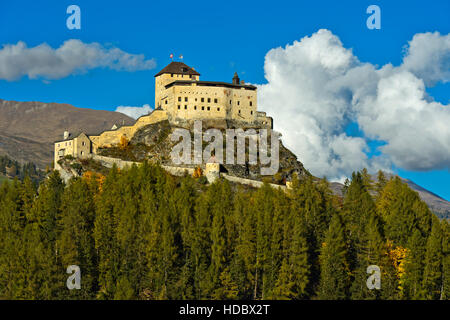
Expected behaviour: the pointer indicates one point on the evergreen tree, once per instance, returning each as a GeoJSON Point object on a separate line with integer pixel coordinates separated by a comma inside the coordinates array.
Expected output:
{"type": "Point", "coordinates": [432, 278]}
{"type": "Point", "coordinates": [414, 266]}
{"type": "Point", "coordinates": [334, 276]}
{"type": "Point", "coordinates": [76, 244]}
{"type": "Point", "coordinates": [445, 289]}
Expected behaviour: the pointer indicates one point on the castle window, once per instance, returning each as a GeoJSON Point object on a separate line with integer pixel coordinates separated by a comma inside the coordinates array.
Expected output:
{"type": "Point", "coordinates": [203, 108]}
{"type": "Point", "coordinates": [218, 109]}
{"type": "Point", "coordinates": [179, 107]}
{"type": "Point", "coordinates": [179, 98]}
{"type": "Point", "coordinates": [83, 143]}
{"type": "Point", "coordinates": [209, 100]}
{"type": "Point", "coordinates": [209, 108]}
{"type": "Point", "coordinates": [230, 101]}
{"type": "Point", "coordinates": [171, 75]}
{"type": "Point", "coordinates": [166, 101]}
{"type": "Point", "coordinates": [195, 107]}
{"type": "Point", "coordinates": [186, 99]}
{"type": "Point", "coordinates": [185, 107]}
{"type": "Point", "coordinates": [239, 111]}
{"type": "Point", "coordinates": [251, 103]}
{"type": "Point", "coordinates": [251, 112]}
{"type": "Point", "coordinates": [215, 100]}
{"type": "Point", "coordinates": [238, 103]}
{"type": "Point", "coordinates": [203, 99]}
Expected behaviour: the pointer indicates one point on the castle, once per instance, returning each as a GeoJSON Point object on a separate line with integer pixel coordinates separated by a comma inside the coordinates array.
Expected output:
{"type": "Point", "coordinates": [180, 98]}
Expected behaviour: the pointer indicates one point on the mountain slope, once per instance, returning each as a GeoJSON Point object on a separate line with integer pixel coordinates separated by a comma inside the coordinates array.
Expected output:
{"type": "Point", "coordinates": [28, 129]}
{"type": "Point", "coordinates": [438, 205]}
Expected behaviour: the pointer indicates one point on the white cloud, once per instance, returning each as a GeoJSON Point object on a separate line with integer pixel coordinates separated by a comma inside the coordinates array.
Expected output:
{"type": "Point", "coordinates": [428, 57]}
{"type": "Point", "coordinates": [134, 112]}
{"type": "Point", "coordinates": [73, 56]}
{"type": "Point", "coordinates": [316, 88]}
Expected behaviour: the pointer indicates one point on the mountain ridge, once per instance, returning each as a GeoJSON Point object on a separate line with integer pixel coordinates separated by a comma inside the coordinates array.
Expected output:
{"type": "Point", "coordinates": [437, 204]}
{"type": "Point", "coordinates": [29, 128]}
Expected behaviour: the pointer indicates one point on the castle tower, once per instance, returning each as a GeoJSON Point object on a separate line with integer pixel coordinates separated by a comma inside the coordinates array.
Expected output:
{"type": "Point", "coordinates": [236, 79]}
{"type": "Point", "coordinates": [172, 72]}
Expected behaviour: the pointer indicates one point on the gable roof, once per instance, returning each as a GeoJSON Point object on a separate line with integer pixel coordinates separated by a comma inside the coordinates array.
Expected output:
{"type": "Point", "coordinates": [72, 136]}
{"type": "Point", "coordinates": [178, 68]}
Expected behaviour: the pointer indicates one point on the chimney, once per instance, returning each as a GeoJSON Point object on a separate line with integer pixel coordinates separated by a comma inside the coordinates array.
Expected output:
{"type": "Point", "coordinates": [236, 78]}
{"type": "Point", "coordinates": [66, 135]}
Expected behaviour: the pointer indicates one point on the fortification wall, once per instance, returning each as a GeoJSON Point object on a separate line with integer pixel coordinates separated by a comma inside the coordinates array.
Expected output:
{"type": "Point", "coordinates": [180, 171]}
{"type": "Point", "coordinates": [249, 182]}
{"type": "Point", "coordinates": [112, 137]}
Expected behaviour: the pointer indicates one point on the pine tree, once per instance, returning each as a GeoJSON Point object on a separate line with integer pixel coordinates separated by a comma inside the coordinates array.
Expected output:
{"type": "Point", "coordinates": [228, 289]}
{"type": "Point", "coordinates": [367, 180]}
{"type": "Point", "coordinates": [402, 212]}
{"type": "Point", "coordinates": [432, 277]}
{"type": "Point", "coordinates": [104, 233]}
{"type": "Point", "coordinates": [334, 266]}
{"type": "Point", "coordinates": [414, 266]}
{"type": "Point", "coordinates": [381, 182]}
{"type": "Point", "coordinates": [445, 289]}
{"type": "Point", "coordinates": [284, 285]}
{"type": "Point", "coordinates": [371, 252]}
{"type": "Point", "coordinates": [313, 202]}
{"type": "Point", "coordinates": [76, 244]}
{"type": "Point", "coordinates": [244, 255]}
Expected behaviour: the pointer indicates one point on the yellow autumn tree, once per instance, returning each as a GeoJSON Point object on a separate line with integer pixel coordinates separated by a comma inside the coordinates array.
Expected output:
{"type": "Point", "coordinates": [123, 143]}
{"type": "Point", "coordinates": [397, 256]}
{"type": "Point", "coordinates": [197, 172]}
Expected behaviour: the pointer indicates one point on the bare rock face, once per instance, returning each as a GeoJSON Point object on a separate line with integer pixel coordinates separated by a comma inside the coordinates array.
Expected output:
{"type": "Point", "coordinates": [28, 129]}
{"type": "Point", "coordinates": [153, 143]}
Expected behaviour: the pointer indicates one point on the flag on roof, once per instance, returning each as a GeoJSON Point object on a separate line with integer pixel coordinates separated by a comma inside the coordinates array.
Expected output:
{"type": "Point", "coordinates": [171, 56]}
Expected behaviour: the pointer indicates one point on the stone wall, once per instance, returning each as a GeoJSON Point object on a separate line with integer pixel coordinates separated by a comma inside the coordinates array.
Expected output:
{"type": "Point", "coordinates": [112, 137]}
{"type": "Point", "coordinates": [249, 182]}
{"type": "Point", "coordinates": [180, 171]}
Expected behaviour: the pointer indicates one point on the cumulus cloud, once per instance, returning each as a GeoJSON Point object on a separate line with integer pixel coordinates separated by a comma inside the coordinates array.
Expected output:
{"type": "Point", "coordinates": [135, 112]}
{"type": "Point", "coordinates": [316, 88]}
{"type": "Point", "coordinates": [73, 56]}
{"type": "Point", "coordinates": [428, 57]}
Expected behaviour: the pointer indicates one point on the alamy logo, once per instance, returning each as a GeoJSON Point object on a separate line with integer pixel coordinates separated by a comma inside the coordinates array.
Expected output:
{"type": "Point", "coordinates": [257, 145]}
{"type": "Point", "coordinates": [374, 280]}
{"type": "Point", "coordinates": [74, 281]}
{"type": "Point", "coordinates": [374, 21]}
{"type": "Point", "coordinates": [73, 21]}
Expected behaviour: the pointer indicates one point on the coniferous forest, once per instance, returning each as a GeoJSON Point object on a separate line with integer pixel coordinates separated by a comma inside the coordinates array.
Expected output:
{"type": "Point", "coordinates": [143, 234]}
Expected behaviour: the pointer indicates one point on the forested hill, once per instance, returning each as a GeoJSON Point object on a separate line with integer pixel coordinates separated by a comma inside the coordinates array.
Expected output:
{"type": "Point", "coordinates": [143, 234]}
{"type": "Point", "coordinates": [10, 169]}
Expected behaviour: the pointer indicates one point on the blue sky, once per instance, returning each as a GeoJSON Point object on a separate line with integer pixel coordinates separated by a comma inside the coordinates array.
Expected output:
{"type": "Point", "coordinates": [215, 37]}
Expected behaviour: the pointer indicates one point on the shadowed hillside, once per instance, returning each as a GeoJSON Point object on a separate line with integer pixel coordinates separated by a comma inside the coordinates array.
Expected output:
{"type": "Point", "coordinates": [28, 129]}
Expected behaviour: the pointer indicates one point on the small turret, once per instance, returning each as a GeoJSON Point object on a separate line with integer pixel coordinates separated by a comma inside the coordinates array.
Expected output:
{"type": "Point", "coordinates": [236, 79]}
